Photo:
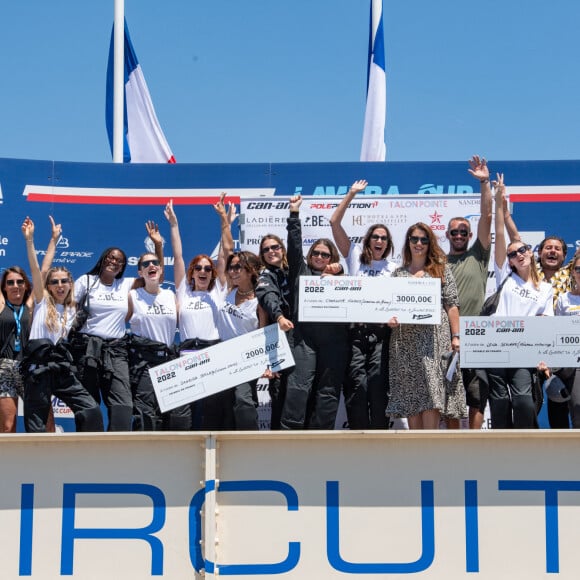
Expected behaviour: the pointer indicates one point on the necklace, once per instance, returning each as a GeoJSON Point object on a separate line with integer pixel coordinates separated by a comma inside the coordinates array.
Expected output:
{"type": "Point", "coordinates": [247, 293]}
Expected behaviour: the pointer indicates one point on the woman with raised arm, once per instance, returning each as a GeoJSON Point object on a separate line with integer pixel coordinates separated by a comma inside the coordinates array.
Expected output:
{"type": "Point", "coordinates": [100, 345]}
{"type": "Point", "coordinates": [200, 291]}
{"type": "Point", "coordinates": [366, 387]}
{"type": "Point", "coordinates": [523, 294]}
{"type": "Point", "coordinates": [418, 353]}
{"type": "Point", "coordinates": [152, 317]}
{"type": "Point", "coordinates": [47, 362]}
{"type": "Point", "coordinates": [320, 348]}
{"type": "Point", "coordinates": [273, 293]}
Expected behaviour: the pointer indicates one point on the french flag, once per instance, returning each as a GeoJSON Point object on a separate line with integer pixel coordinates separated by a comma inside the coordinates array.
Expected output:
{"type": "Point", "coordinates": [143, 139]}
{"type": "Point", "coordinates": [373, 142]}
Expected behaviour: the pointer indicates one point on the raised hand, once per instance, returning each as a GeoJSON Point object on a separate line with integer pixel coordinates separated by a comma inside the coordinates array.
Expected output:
{"type": "Point", "coordinates": [478, 168]}
{"type": "Point", "coordinates": [153, 231]}
{"type": "Point", "coordinates": [28, 229]}
{"type": "Point", "coordinates": [56, 229]}
{"type": "Point", "coordinates": [232, 212]}
{"type": "Point", "coordinates": [295, 203]}
{"type": "Point", "coordinates": [358, 186]}
{"type": "Point", "coordinates": [220, 206]}
{"type": "Point", "coordinates": [170, 213]}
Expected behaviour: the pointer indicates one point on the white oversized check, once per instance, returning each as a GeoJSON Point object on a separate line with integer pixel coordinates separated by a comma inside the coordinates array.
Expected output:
{"type": "Point", "coordinates": [490, 341]}
{"type": "Point", "coordinates": [369, 299]}
{"type": "Point", "coordinates": [201, 373]}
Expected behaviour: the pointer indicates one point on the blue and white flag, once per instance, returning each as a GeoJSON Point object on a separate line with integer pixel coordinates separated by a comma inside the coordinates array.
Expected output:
{"type": "Point", "coordinates": [143, 139]}
{"type": "Point", "coordinates": [373, 142]}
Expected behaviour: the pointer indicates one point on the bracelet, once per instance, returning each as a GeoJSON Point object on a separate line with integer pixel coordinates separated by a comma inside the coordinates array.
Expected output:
{"type": "Point", "coordinates": [486, 180]}
{"type": "Point", "coordinates": [455, 336]}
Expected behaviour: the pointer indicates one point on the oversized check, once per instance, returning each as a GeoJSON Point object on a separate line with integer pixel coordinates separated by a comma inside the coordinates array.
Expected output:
{"type": "Point", "coordinates": [490, 341]}
{"type": "Point", "coordinates": [201, 373]}
{"type": "Point", "coordinates": [369, 299]}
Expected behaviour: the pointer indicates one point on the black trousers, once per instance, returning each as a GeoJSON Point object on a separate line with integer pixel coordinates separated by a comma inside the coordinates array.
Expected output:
{"type": "Point", "coordinates": [147, 415]}
{"type": "Point", "coordinates": [314, 384]}
{"type": "Point", "coordinates": [50, 373]}
{"type": "Point", "coordinates": [103, 369]}
{"type": "Point", "coordinates": [366, 387]}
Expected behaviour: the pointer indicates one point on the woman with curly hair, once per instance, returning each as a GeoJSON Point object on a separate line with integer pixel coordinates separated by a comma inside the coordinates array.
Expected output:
{"type": "Point", "coordinates": [417, 354]}
{"type": "Point", "coordinates": [366, 385]}
{"type": "Point", "coordinates": [47, 362]}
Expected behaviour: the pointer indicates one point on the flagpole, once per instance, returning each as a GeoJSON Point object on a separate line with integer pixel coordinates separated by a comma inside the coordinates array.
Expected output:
{"type": "Point", "coordinates": [119, 80]}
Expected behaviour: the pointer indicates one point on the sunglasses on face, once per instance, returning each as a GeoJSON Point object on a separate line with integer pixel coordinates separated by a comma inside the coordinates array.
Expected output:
{"type": "Point", "coordinates": [417, 239]}
{"type": "Point", "coordinates": [577, 269]}
{"type": "Point", "coordinates": [19, 282]}
{"type": "Point", "coordinates": [234, 267]}
{"type": "Point", "coordinates": [273, 248]}
{"type": "Point", "coordinates": [200, 268]}
{"type": "Point", "coordinates": [521, 250]}
{"type": "Point", "coordinates": [376, 237]}
{"type": "Point", "coordinates": [147, 263]}
{"type": "Point", "coordinates": [318, 254]}
{"type": "Point", "coordinates": [462, 233]}
{"type": "Point", "coordinates": [58, 281]}
{"type": "Point", "coordinates": [115, 260]}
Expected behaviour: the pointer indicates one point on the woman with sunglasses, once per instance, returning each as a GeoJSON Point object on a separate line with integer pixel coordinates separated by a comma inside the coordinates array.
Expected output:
{"type": "Point", "coordinates": [200, 290]}
{"type": "Point", "coordinates": [320, 349]}
{"type": "Point", "coordinates": [47, 362]}
{"type": "Point", "coordinates": [100, 344]}
{"type": "Point", "coordinates": [523, 294]}
{"type": "Point", "coordinates": [366, 386]}
{"type": "Point", "coordinates": [419, 352]}
{"type": "Point", "coordinates": [15, 319]}
{"type": "Point", "coordinates": [273, 292]}
{"type": "Point", "coordinates": [152, 317]}
{"type": "Point", "coordinates": [240, 313]}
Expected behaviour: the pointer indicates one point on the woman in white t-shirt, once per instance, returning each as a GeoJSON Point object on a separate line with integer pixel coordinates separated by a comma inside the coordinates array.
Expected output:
{"type": "Point", "coordinates": [523, 294]}
{"type": "Point", "coordinates": [152, 317]}
{"type": "Point", "coordinates": [200, 290]}
{"type": "Point", "coordinates": [240, 313]}
{"type": "Point", "coordinates": [46, 364]}
{"type": "Point", "coordinates": [100, 345]}
{"type": "Point", "coordinates": [366, 386]}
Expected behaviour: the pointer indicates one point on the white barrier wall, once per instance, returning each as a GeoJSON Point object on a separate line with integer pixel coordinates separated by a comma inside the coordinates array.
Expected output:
{"type": "Point", "coordinates": [314, 505]}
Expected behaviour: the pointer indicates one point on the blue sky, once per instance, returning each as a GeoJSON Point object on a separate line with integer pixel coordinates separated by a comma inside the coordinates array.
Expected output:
{"type": "Point", "coordinates": [269, 80]}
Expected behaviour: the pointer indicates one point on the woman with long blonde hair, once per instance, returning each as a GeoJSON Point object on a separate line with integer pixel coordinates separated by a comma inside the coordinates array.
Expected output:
{"type": "Point", "coordinates": [46, 363]}
{"type": "Point", "coordinates": [522, 294]}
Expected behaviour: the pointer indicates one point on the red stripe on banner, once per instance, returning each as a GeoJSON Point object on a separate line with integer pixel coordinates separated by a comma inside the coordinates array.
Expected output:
{"type": "Point", "coordinates": [172, 160]}
{"type": "Point", "coordinates": [544, 197]}
{"type": "Point", "coordinates": [103, 200]}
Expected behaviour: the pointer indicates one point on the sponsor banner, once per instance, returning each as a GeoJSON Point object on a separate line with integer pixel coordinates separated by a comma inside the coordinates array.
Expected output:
{"type": "Point", "coordinates": [500, 341]}
{"type": "Point", "coordinates": [260, 217]}
{"type": "Point", "coordinates": [369, 299]}
{"type": "Point", "coordinates": [198, 374]}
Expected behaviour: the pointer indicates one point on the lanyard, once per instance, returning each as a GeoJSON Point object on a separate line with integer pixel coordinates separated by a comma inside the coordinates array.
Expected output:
{"type": "Point", "coordinates": [17, 318]}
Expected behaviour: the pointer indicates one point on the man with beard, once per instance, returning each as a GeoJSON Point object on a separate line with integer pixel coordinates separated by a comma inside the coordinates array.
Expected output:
{"type": "Point", "coordinates": [470, 266]}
